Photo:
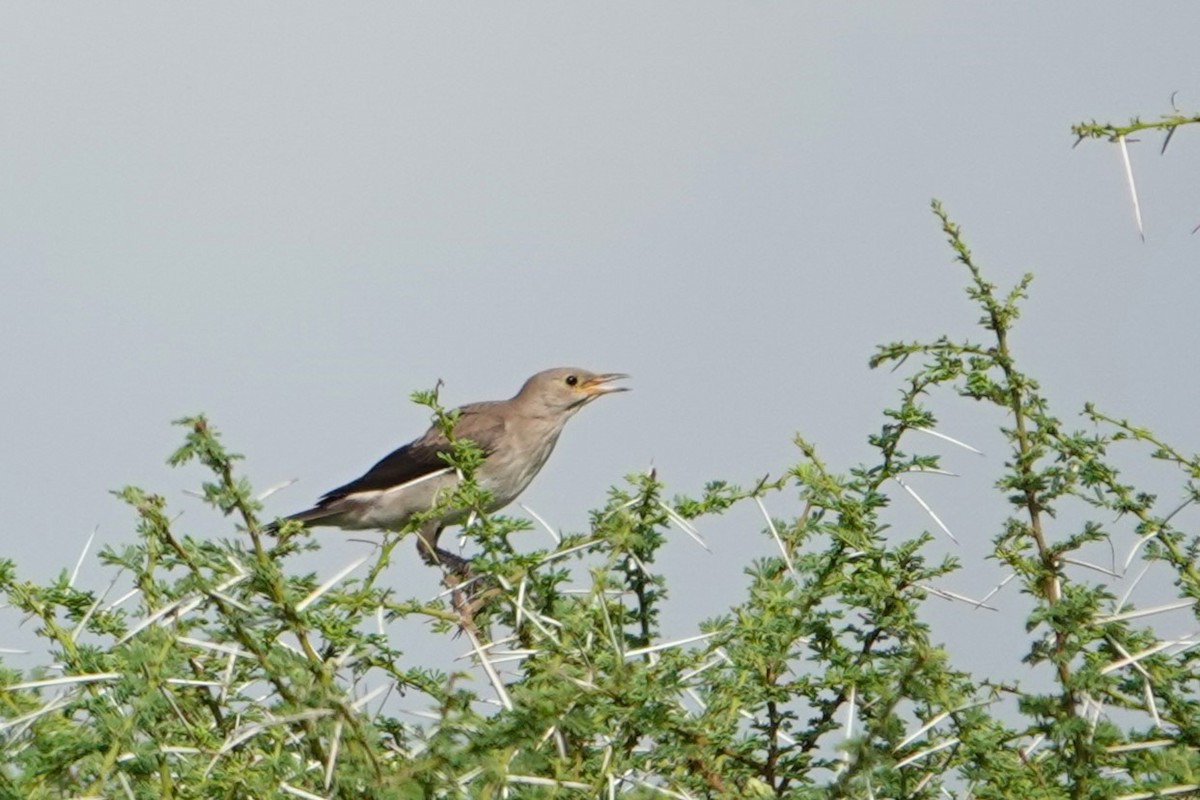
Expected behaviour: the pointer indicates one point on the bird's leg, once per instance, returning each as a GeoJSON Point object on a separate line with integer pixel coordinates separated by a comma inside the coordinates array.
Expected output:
{"type": "Point", "coordinates": [435, 556]}
{"type": "Point", "coordinates": [463, 582]}
{"type": "Point", "coordinates": [470, 590]}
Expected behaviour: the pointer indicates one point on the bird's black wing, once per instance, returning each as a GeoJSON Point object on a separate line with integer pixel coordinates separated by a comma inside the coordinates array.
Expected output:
{"type": "Point", "coordinates": [422, 457]}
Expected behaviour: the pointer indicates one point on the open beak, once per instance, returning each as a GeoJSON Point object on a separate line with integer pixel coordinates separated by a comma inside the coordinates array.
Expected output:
{"type": "Point", "coordinates": [598, 385]}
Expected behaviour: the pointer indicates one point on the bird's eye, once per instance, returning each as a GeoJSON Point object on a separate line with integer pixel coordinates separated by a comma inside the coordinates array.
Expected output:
{"type": "Point", "coordinates": [571, 380]}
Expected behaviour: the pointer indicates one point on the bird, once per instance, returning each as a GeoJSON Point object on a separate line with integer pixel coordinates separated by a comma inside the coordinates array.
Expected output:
{"type": "Point", "coordinates": [516, 436]}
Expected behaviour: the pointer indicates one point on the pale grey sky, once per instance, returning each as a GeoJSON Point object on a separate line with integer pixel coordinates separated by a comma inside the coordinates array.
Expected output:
{"type": "Point", "coordinates": [289, 216]}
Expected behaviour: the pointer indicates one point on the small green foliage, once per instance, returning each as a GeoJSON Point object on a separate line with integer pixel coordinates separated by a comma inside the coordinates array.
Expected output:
{"type": "Point", "coordinates": [229, 672]}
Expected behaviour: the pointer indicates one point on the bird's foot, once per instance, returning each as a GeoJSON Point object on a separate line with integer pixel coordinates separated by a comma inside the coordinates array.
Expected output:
{"type": "Point", "coordinates": [452, 564]}
{"type": "Point", "coordinates": [470, 590]}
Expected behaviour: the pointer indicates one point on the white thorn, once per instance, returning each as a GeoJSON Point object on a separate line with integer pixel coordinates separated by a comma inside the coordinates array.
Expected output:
{"type": "Point", "coordinates": [925, 506]}
{"type": "Point", "coordinates": [949, 439]}
{"type": "Point", "coordinates": [1137, 209]}
{"type": "Point", "coordinates": [538, 517]}
{"type": "Point", "coordinates": [79, 563]}
{"type": "Point", "coordinates": [315, 594]}
{"type": "Point", "coordinates": [273, 489]}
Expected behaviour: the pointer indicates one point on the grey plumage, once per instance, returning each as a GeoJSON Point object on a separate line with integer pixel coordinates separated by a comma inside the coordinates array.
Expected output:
{"type": "Point", "coordinates": [516, 435]}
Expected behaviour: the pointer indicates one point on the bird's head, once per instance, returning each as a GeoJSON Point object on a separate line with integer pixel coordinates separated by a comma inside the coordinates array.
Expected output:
{"type": "Point", "coordinates": [567, 389]}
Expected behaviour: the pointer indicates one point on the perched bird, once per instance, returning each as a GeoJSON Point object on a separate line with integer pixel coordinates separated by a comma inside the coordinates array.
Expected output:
{"type": "Point", "coordinates": [516, 436]}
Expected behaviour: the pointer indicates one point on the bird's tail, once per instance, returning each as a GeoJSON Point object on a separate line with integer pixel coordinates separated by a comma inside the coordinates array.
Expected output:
{"type": "Point", "coordinates": [317, 515]}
